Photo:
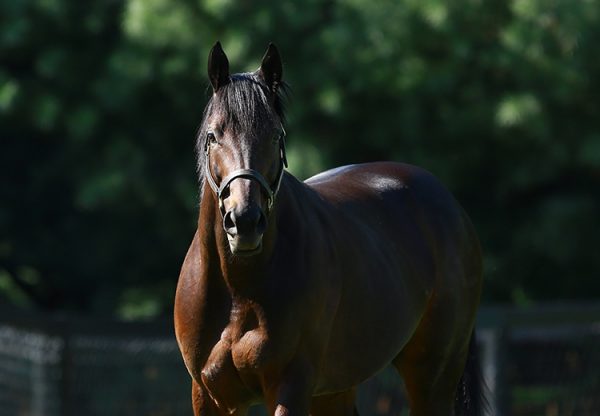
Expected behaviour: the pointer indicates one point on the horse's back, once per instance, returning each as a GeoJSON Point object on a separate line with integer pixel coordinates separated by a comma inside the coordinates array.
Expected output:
{"type": "Point", "coordinates": [376, 179]}
{"type": "Point", "coordinates": [390, 194]}
{"type": "Point", "coordinates": [390, 197]}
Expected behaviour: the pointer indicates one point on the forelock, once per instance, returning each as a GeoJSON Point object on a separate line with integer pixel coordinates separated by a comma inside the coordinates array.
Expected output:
{"type": "Point", "coordinates": [245, 104]}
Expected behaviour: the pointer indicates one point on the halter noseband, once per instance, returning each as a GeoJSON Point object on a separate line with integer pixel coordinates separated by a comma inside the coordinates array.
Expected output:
{"type": "Point", "coordinates": [270, 189]}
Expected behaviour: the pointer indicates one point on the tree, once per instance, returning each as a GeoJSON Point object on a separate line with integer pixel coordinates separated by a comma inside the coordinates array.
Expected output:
{"type": "Point", "coordinates": [99, 103]}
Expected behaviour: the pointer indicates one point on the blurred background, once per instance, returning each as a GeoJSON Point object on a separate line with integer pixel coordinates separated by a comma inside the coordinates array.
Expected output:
{"type": "Point", "coordinates": [99, 105]}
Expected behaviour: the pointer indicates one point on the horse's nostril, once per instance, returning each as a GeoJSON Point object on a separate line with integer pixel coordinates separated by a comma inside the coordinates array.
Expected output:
{"type": "Point", "coordinates": [261, 224]}
{"type": "Point", "coordinates": [229, 223]}
{"type": "Point", "coordinates": [246, 221]}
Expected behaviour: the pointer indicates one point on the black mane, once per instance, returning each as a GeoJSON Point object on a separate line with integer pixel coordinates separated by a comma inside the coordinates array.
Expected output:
{"type": "Point", "coordinates": [245, 103]}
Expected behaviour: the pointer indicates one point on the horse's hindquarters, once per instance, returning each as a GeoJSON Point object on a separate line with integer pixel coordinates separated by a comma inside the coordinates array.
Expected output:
{"type": "Point", "coordinates": [410, 264]}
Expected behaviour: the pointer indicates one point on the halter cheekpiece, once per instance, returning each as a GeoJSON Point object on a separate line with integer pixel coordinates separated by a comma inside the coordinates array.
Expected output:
{"type": "Point", "coordinates": [269, 189]}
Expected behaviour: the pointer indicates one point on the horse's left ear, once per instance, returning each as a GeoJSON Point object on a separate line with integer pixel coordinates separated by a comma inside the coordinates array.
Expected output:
{"type": "Point", "coordinates": [271, 69]}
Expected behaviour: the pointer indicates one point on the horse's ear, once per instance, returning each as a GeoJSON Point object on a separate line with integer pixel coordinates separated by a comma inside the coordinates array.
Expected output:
{"type": "Point", "coordinates": [271, 69]}
{"type": "Point", "coordinates": [218, 67]}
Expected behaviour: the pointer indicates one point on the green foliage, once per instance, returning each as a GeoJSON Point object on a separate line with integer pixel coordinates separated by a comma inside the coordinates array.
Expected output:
{"type": "Point", "coordinates": [99, 102]}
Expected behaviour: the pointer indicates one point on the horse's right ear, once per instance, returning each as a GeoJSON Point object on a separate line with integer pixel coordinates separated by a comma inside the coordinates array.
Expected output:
{"type": "Point", "coordinates": [218, 67]}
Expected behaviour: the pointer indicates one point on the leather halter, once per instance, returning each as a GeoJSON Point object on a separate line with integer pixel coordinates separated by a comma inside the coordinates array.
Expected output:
{"type": "Point", "coordinates": [270, 189]}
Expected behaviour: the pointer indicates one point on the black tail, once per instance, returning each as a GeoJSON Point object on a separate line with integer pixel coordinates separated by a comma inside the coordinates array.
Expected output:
{"type": "Point", "coordinates": [470, 395]}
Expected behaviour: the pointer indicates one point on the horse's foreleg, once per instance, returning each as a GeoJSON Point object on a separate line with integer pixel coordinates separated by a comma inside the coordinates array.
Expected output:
{"type": "Point", "coordinates": [202, 404]}
{"type": "Point", "coordinates": [291, 394]}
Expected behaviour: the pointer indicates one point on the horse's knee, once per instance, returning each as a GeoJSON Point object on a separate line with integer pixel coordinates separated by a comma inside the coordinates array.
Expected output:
{"type": "Point", "coordinates": [290, 393]}
{"type": "Point", "coordinates": [282, 410]}
{"type": "Point", "coordinates": [291, 406]}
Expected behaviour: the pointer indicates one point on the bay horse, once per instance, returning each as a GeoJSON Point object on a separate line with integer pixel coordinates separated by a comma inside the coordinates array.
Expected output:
{"type": "Point", "coordinates": [292, 293]}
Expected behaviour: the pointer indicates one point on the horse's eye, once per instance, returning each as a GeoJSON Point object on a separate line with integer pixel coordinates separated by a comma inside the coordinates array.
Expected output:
{"type": "Point", "coordinates": [210, 138]}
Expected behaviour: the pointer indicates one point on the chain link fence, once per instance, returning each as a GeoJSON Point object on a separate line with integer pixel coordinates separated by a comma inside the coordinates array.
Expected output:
{"type": "Point", "coordinates": [68, 367]}
{"type": "Point", "coordinates": [30, 372]}
{"type": "Point", "coordinates": [544, 361]}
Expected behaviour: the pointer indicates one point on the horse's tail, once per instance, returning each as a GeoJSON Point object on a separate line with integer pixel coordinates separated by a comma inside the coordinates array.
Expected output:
{"type": "Point", "coordinates": [470, 395]}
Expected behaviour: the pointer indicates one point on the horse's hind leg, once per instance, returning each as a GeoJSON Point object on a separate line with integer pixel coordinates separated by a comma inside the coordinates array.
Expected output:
{"type": "Point", "coordinates": [432, 364]}
{"type": "Point", "coordinates": [336, 404]}
{"type": "Point", "coordinates": [431, 385]}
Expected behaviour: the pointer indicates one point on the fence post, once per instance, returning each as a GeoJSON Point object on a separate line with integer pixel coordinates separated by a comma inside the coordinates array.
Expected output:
{"type": "Point", "coordinates": [493, 360]}
{"type": "Point", "coordinates": [66, 371]}
{"type": "Point", "coordinates": [38, 380]}
{"type": "Point", "coordinates": [503, 391]}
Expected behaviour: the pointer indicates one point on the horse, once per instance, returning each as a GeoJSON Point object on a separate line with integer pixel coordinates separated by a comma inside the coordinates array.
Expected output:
{"type": "Point", "coordinates": [292, 293]}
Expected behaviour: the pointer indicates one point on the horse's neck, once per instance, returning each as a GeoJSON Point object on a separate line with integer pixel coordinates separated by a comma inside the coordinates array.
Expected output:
{"type": "Point", "coordinates": [239, 273]}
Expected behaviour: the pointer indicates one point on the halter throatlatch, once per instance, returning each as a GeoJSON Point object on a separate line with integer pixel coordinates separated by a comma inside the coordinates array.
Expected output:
{"type": "Point", "coordinates": [269, 189]}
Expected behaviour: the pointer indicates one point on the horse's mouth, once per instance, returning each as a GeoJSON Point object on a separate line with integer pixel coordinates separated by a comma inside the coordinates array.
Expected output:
{"type": "Point", "coordinates": [244, 247]}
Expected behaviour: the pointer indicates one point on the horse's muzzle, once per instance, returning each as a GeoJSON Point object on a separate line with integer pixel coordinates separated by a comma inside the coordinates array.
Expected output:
{"type": "Point", "coordinates": [245, 227]}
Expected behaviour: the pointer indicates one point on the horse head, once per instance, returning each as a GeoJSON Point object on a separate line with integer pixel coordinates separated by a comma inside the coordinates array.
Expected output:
{"type": "Point", "coordinates": [242, 141]}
